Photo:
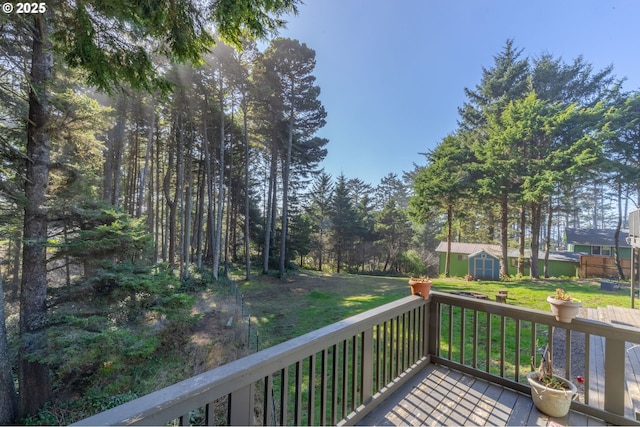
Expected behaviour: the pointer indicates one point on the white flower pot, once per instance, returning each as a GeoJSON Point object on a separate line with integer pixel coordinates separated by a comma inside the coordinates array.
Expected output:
{"type": "Point", "coordinates": [565, 311]}
{"type": "Point", "coordinates": [552, 402]}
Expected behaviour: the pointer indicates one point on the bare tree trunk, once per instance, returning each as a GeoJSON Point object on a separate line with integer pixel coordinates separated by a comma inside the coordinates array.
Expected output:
{"type": "Point", "coordinates": [113, 155]}
{"type": "Point", "coordinates": [504, 238]}
{"type": "Point", "coordinates": [170, 236]}
{"type": "Point", "coordinates": [536, 222]}
{"type": "Point", "coordinates": [35, 388]}
{"type": "Point", "coordinates": [522, 243]}
{"type": "Point", "coordinates": [210, 238]}
{"type": "Point", "coordinates": [218, 231]}
{"type": "Point", "coordinates": [230, 222]}
{"type": "Point", "coordinates": [270, 203]}
{"type": "Point", "coordinates": [247, 254]}
{"type": "Point", "coordinates": [547, 246]}
{"type": "Point", "coordinates": [179, 190]}
{"type": "Point", "coordinates": [617, 233]}
{"type": "Point", "coordinates": [145, 168]}
{"type": "Point", "coordinates": [200, 216]}
{"type": "Point", "coordinates": [285, 197]}
{"type": "Point", "coordinates": [188, 195]}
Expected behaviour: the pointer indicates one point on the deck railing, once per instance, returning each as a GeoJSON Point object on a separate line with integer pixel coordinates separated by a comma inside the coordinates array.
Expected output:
{"type": "Point", "coordinates": [499, 342]}
{"type": "Point", "coordinates": [324, 377]}
{"type": "Point", "coordinates": [337, 374]}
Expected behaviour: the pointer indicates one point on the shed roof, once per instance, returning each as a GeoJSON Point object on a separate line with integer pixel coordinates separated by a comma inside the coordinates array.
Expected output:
{"type": "Point", "coordinates": [596, 237]}
{"type": "Point", "coordinates": [473, 248]}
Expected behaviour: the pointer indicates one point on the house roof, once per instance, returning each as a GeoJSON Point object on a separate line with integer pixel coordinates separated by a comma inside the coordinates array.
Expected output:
{"type": "Point", "coordinates": [595, 237]}
{"type": "Point", "coordinates": [468, 248]}
{"type": "Point", "coordinates": [472, 248]}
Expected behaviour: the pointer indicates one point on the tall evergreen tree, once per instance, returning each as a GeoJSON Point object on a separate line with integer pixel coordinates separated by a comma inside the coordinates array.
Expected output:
{"type": "Point", "coordinates": [289, 66]}
{"type": "Point", "coordinates": [320, 213]}
{"type": "Point", "coordinates": [91, 37]}
{"type": "Point", "coordinates": [441, 185]}
{"type": "Point", "coordinates": [343, 222]}
{"type": "Point", "coordinates": [506, 81]}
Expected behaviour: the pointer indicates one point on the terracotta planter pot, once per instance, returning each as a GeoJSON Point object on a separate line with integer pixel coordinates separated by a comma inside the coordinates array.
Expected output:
{"type": "Point", "coordinates": [565, 311]}
{"type": "Point", "coordinates": [420, 286]}
{"type": "Point", "coordinates": [552, 402]}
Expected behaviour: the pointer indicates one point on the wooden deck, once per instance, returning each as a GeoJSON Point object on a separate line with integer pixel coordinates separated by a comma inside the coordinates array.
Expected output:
{"type": "Point", "coordinates": [442, 396]}
{"type": "Point", "coordinates": [616, 316]}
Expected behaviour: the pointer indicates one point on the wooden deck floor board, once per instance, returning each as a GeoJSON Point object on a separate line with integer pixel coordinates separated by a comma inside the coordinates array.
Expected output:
{"type": "Point", "coordinates": [442, 396]}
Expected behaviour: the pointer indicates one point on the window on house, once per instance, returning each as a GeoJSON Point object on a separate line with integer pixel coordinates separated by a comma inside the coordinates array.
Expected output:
{"type": "Point", "coordinates": [601, 250]}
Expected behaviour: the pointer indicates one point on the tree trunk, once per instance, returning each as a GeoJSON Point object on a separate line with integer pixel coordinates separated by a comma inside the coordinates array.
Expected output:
{"type": "Point", "coordinates": [285, 197]}
{"type": "Point", "coordinates": [247, 240]}
{"type": "Point", "coordinates": [536, 221]}
{"type": "Point", "coordinates": [147, 159]}
{"type": "Point", "coordinates": [8, 397]}
{"type": "Point", "coordinates": [229, 218]}
{"type": "Point", "coordinates": [504, 238]}
{"type": "Point", "coordinates": [200, 216]}
{"type": "Point", "coordinates": [617, 233]}
{"type": "Point", "coordinates": [178, 198]}
{"type": "Point", "coordinates": [34, 376]}
{"type": "Point", "coordinates": [321, 249]}
{"type": "Point", "coordinates": [113, 154]}
{"type": "Point", "coordinates": [171, 210]}
{"type": "Point", "coordinates": [188, 195]}
{"type": "Point", "coordinates": [521, 246]}
{"type": "Point", "coordinates": [269, 212]}
{"type": "Point", "coordinates": [217, 242]}
{"type": "Point", "coordinates": [547, 245]}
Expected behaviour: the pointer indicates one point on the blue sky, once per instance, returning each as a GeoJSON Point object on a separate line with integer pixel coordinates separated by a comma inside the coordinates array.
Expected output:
{"type": "Point", "coordinates": [392, 73]}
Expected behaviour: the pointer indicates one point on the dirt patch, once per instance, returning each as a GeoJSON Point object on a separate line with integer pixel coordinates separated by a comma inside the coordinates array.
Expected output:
{"type": "Point", "coordinates": [215, 338]}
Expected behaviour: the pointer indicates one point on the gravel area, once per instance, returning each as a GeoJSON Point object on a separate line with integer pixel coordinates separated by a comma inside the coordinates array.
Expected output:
{"type": "Point", "coordinates": [577, 356]}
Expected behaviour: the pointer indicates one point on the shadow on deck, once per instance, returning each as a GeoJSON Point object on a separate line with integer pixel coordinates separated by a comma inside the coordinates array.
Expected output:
{"type": "Point", "coordinates": [442, 396]}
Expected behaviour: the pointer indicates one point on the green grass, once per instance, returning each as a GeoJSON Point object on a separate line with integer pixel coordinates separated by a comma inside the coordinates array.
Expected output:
{"type": "Point", "coordinates": [309, 300]}
{"type": "Point", "coordinates": [533, 293]}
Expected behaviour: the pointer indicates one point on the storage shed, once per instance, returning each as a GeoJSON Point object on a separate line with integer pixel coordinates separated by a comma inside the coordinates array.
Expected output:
{"type": "Point", "coordinates": [484, 266]}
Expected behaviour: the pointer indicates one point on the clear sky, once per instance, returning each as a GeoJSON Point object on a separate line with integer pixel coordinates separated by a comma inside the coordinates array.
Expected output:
{"type": "Point", "coordinates": [392, 73]}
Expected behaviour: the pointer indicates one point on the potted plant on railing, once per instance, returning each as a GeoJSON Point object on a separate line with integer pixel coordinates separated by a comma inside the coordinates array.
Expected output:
{"type": "Point", "coordinates": [420, 286]}
{"type": "Point", "coordinates": [564, 306]}
{"type": "Point", "coordinates": [551, 394]}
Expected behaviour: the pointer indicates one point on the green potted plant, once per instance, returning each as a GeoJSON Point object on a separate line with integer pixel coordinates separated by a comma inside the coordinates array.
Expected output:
{"type": "Point", "coordinates": [420, 286]}
{"type": "Point", "coordinates": [551, 394]}
{"type": "Point", "coordinates": [564, 306]}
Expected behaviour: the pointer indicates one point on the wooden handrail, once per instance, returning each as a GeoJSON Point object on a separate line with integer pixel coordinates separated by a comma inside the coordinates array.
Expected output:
{"type": "Point", "coordinates": [358, 360]}
{"type": "Point", "coordinates": [179, 399]}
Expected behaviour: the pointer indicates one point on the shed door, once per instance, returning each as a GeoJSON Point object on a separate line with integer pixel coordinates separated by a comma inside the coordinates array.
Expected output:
{"type": "Point", "coordinates": [484, 267]}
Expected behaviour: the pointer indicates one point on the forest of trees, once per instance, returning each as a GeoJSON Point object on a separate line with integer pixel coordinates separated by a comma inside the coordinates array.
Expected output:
{"type": "Point", "coordinates": [137, 145]}
{"type": "Point", "coordinates": [541, 145]}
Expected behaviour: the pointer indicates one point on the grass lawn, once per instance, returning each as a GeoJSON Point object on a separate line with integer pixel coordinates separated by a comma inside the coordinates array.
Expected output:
{"type": "Point", "coordinates": [308, 300]}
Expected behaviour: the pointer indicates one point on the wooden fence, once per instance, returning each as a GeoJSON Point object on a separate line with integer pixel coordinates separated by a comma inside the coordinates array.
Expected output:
{"type": "Point", "coordinates": [601, 266]}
